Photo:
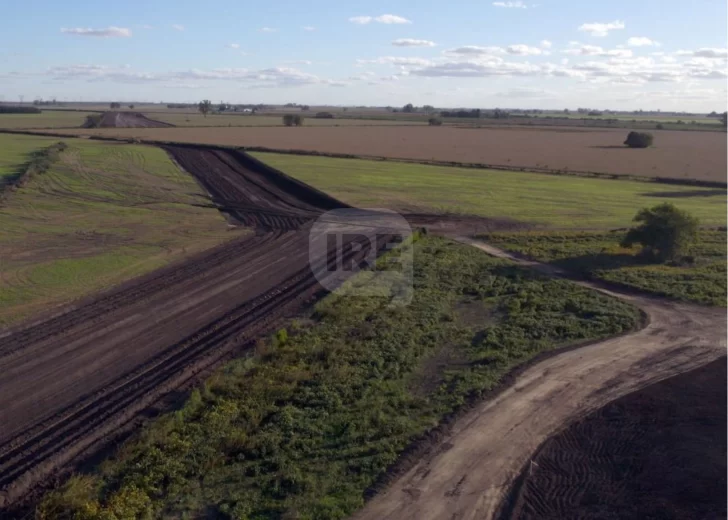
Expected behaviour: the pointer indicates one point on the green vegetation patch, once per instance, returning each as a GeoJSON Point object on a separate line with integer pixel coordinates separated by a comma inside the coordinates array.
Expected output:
{"type": "Point", "coordinates": [549, 200]}
{"type": "Point", "coordinates": [700, 278]}
{"type": "Point", "coordinates": [46, 119]}
{"type": "Point", "coordinates": [309, 422]}
{"type": "Point", "coordinates": [16, 151]}
{"type": "Point", "coordinates": [100, 214]}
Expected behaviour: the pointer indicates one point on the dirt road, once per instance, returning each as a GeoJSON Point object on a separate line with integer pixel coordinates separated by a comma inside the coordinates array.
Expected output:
{"type": "Point", "coordinates": [469, 473]}
{"type": "Point", "coordinates": [128, 120]}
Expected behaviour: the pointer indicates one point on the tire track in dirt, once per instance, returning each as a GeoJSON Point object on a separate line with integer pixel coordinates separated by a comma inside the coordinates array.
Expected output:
{"type": "Point", "coordinates": [72, 380]}
{"type": "Point", "coordinates": [487, 448]}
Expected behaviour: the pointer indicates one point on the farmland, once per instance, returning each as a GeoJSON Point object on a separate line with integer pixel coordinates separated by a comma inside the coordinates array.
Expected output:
{"type": "Point", "coordinates": [307, 424]}
{"type": "Point", "coordinates": [104, 213]}
{"type": "Point", "coordinates": [686, 413]}
{"type": "Point", "coordinates": [17, 151]}
{"type": "Point", "coordinates": [544, 200]}
{"type": "Point", "coordinates": [46, 119]}
{"type": "Point", "coordinates": [223, 120]}
{"type": "Point", "coordinates": [676, 155]}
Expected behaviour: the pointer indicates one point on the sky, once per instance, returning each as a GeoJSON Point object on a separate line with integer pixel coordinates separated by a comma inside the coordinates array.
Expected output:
{"type": "Point", "coordinates": [550, 54]}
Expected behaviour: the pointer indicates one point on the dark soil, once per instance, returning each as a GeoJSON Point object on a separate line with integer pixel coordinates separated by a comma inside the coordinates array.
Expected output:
{"type": "Point", "coordinates": [656, 453]}
{"type": "Point", "coordinates": [127, 120]}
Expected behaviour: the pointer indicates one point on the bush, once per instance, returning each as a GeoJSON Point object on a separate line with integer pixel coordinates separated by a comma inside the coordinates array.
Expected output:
{"type": "Point", "coordinates": [8, 109]}
{"type": "Point", "coordinates": [666, 232]}
{"type": "Point", "coordinates": [435, 121]}
{"type": "Point", "coordinates": [92, 121]}
{"type": "Point", "coordinates": [639, 140]}
{"type": "Point", "coordinates": [324, 115]}
{"type": "Point", "coordinates": [115, 105]}
{"type": "Point", "coordinates": [293, 120]}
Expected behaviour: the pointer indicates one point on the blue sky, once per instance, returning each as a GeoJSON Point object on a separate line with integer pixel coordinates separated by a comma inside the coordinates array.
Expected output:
{"type": "Point", "coordinates": [619, 54]}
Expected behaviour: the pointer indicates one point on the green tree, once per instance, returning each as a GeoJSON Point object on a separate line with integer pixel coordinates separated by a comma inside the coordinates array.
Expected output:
{"type": "Point", "coordinates": [665, 232]}
{"type": "Point", "coordinates": [408, 108]}
{"type": "Point", "coordinates": [435, 121]}
{"type": "Point", "coordinates": [288, 119]}
{"type": "Point", "coordinates": [204, 107]}
{"type": "Point", "coordinates": [724, 118]}
{"type": "Point", "coordinates": [639, 139]}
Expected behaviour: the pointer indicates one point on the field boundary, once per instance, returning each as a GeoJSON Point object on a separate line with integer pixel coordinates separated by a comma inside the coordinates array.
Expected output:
{"type": "Point", "coordinates": [40, 161]}
{"type": "Point", "coordinates": [452, 164]}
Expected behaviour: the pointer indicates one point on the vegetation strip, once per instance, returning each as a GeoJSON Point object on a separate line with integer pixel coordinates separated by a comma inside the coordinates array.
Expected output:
{"type": "Point", "coordinates": [40, 162]}
{"type": "Point", "coordinates": [305, 426]}
{"type": "Point", "coordinates": [700, 277]}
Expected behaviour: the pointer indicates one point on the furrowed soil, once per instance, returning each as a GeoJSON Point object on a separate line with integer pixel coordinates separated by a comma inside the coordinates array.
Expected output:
{"type": "Point", "coordinates": [675, 154]}
{"type": "Point", "coordinates": [128, 120]}
{"type": "Point", "coordinates": [656, 453]}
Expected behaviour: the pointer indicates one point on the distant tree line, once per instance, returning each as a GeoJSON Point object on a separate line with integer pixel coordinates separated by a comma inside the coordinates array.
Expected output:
{"type": "Point", "coordinates": [12, 109]}
{"type": "Point", "coordinates": [50, 102]}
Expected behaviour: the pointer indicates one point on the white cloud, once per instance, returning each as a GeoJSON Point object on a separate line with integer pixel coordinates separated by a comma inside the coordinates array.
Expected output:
{"type": "Point", "coordinates": [300, 62]}
{"type": "Point", "coordinates": [517, 4]}
{"type": "Point", "coordinates": [308, 28]}
{"type": "Point", "coordinates": [641, 41]}
{"type": "Point", "coordinates": [385, 19]}
{"type": "Point", "coordinates": [711, 53]}
{"type": "Point", "coordinates": [267, 30]}
{"type": "Point", "coordinates": [546, 44]}
{"type": "Point", "coordinates": [391, 19]}
{"type": "Point", "coordinates": [594, 50]}
{"type": "Point", "coordinates": [109, 32]}
{"type": "Point", "coordinates": [601, 29]}
{"type": "Point", "coordinates": [474, 50]}
{"type": "Point", "coordinates": [178, 27]}
{"type": "Point", "coordinates": [524, 50]}
{"type": "Point", "coordinates": [525, 92]}
{"type": "Point", "coordinates": [146, 26]}
{"type": "Point", "coordinates": [410, 42]}
{"type": "Point", "coordinates": [233, 46]}
{"type": "Point", "coordinates": [397, 60]}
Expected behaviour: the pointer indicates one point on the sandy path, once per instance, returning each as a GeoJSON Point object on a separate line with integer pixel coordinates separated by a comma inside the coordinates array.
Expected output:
{"type": "Point", "coordinates": [469, 473]}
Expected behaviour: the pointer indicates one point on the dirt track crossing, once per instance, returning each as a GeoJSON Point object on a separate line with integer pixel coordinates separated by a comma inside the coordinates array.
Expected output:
{"type": "Point", "coordinates": [469, 473]}
{"type": "Point", "coordinates": [72, 380]}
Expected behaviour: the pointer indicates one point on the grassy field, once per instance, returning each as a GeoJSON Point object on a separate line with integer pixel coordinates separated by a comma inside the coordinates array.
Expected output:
{"type": "Point", "coordinates": [304, 426]}
{"type": "Point", "coordinates": [102, 214]}
{"type": "Point", "coordinates": [549, 200]}
{"type": "Point", "coordinates": [16, 151]}
{"type": "Point", "coordinates": [46, 119]}
{"type": "Point", "coordinates": [598, 255]}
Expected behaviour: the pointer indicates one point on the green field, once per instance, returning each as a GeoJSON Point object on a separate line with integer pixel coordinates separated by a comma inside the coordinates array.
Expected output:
{"type": "Point", "coordinates": [701, 279]}
{"type": "Point", "coordinates": [304, 426]}
{"type": "Point", "coordinates": [102, 214]}
{"type": "Point", "coordinates": [191, 119]}
{"type": "Point", "coordinates": [16, 151]}
{"type": "Point", "coordinates": [46, 119]}
{"type": "Point", "coordinates": [547, 200]}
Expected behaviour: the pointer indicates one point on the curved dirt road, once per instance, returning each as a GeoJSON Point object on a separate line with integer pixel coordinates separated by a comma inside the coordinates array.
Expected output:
{"type": "Point", "coordinates": [470, 472]}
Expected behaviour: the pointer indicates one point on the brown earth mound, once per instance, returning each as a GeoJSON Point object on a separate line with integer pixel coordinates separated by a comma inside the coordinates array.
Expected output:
{"type": "Point", "coordinates": [126, 120]}
{"type": "Point", "coordinates": [656, 453]}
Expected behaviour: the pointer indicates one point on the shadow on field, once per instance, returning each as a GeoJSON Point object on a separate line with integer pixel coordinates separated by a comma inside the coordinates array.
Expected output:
{"type": "Point", "coordinates": [684, 194]}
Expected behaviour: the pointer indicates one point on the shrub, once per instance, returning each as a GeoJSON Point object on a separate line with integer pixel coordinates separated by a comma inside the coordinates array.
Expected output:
{"type": "Point", "coordinates": [659, 126]}
{"type": "Point", "coordinates": [435, 121]}
{"type": "Point", "coordinates": [665, 232]}
{"type": "Point", "coordinates": [639, 140]}
{"type": "Point", "coordinates": [324, 115]}
{"type": "Point", "coordinates": [92, 121]}
{"type": "Point", "coordinates": [293, 120]}
{"type": "Point", "coordinates": [115, 105]}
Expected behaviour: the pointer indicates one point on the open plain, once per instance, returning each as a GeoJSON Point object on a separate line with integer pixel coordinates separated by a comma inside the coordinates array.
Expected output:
{"type": "Point", "coordinates": [675, 155]}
